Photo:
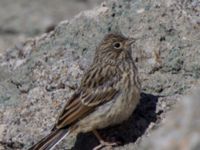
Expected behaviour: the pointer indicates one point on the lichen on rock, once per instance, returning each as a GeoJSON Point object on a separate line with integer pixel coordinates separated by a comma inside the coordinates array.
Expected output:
{"type": "Point", "coordinates": [37, 77]}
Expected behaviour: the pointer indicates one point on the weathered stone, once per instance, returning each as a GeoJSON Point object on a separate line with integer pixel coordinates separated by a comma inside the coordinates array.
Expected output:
{"type": "Point", "coordinates": [39, 75]}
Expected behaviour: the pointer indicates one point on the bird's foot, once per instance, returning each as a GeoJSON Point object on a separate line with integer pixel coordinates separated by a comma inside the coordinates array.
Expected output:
{"type": "Point", "coordinates": [107, 145]}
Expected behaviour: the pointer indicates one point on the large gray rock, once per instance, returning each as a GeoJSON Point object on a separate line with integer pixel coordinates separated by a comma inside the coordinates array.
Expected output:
{"type": "Point", "coordinates": [180, 130]}
{"type": "Point", "coordinates": [27, 18]}
{"type": "Point", "coordinates": [37, 76]}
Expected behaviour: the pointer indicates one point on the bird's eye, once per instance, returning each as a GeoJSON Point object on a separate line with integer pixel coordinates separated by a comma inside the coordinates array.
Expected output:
{"type": "Point", "coordinates": [117, 45]}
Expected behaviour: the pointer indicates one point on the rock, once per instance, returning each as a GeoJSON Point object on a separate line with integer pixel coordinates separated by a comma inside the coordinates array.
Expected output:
{"type": "Point", "coordinates": [30, 18]}
{"type": "Point", "coordinates": [40, 74]}
{"type": "Point", "coordinates": [180, 129]}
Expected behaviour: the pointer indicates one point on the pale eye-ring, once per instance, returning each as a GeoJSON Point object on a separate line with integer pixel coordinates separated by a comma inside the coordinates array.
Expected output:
{"type": "Point", "coordinates": [117, 45]}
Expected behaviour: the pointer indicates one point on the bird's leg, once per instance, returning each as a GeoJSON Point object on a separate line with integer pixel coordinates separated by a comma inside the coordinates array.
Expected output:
{"type": "Point", "coordinates": [103, 143]}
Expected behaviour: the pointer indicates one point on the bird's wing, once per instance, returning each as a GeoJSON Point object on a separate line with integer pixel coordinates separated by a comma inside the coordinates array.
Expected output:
{"type": "Point", "coordinates": [97, 87]}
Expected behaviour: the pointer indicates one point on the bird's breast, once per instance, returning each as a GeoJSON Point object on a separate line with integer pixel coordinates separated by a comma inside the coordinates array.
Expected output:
{"type": "Point", "coordinates": [127, 100]}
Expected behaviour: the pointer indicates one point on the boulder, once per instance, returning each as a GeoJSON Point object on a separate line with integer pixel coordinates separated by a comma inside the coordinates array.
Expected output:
{"type": "Point", "coordinates": [39, 75]}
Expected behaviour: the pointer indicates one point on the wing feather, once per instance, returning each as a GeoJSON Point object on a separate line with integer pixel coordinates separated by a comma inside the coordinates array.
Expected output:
{"type": "Point", "coordinates": [95, 89]}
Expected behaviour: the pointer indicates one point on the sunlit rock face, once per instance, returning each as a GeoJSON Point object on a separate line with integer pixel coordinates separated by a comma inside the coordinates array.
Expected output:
{"type": "Point", "coordinates": [39, 75]}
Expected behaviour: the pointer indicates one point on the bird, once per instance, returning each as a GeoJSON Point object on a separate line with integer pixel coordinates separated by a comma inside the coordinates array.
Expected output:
{"type": "Point", "coordinates": [108, 94]}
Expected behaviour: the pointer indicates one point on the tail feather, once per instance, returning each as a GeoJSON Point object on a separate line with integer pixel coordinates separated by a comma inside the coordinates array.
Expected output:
{"type": "Point", "coordinates": [48, 142]}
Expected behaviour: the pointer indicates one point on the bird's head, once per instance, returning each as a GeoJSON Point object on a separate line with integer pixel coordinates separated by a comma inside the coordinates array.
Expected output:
{"type": "Point", "coordinates": [114, 47]}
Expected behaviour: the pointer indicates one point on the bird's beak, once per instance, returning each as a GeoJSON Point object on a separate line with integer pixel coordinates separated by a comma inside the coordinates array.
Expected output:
{"type": "Point", "coordinates": [130, 41]}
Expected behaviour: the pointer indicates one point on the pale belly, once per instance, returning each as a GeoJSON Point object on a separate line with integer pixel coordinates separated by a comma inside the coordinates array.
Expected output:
{"type": "Point", "coordinates": [111, 113]}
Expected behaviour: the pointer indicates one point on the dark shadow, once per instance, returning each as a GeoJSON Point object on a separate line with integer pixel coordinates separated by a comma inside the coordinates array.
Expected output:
{"type": "Point", "coordinates": [127, 132]}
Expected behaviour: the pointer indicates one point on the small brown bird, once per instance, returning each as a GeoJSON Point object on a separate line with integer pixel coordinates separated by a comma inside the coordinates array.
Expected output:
{"type": "Point", "coordinates": [108, 94]}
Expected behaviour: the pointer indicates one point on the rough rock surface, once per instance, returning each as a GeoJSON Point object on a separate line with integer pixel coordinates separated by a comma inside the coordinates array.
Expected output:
{"type": "Point", "coordinates": [180, 129]}
{"type": "Point", "coordinates": [37, 76]}
{"type": "Point", "coordinates": [27, 18]}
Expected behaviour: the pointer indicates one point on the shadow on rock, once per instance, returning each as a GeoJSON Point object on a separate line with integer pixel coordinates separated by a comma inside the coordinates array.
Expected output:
{"type": "Point", "coordinates": [128, 131]}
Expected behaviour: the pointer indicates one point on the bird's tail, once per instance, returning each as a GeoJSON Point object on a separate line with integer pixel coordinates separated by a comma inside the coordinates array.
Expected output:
{"type": "Point", "coordinates": [48, 142]}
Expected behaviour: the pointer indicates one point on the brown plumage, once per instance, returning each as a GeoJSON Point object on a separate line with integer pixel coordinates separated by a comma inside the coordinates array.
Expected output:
{"type": "Point", "coordinates": [108, 94]}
